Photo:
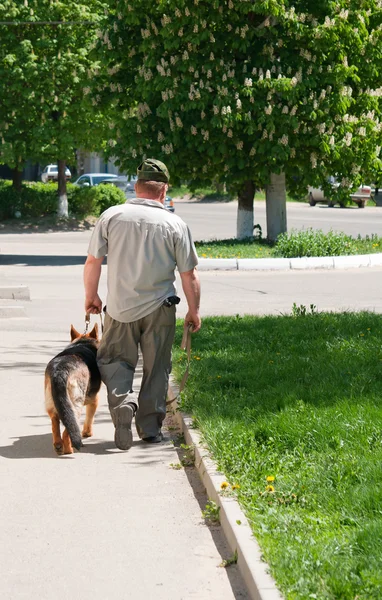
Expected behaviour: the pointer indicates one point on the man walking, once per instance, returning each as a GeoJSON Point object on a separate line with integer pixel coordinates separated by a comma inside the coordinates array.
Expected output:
{"type": "Point", "coordinates": [144, 244]}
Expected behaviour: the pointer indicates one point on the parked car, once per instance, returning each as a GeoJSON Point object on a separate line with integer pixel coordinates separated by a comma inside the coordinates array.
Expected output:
{"type": "Point", "coordinates": [360, 197]}
{"type": "Point", "coordinates": [91, 179]}
{"type": "Point", "coordinates": [169, 204]}
{"type": "Point", "coordinates": [50, 173]}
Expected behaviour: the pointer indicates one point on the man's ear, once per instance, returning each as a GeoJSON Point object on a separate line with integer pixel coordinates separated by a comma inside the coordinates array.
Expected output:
{"type": "Point", "coordinates": [74, 333]}
{"type": "Point", "coordinates": [164, 191]}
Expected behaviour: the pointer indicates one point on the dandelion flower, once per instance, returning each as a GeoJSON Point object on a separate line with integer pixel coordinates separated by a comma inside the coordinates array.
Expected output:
{"type": "Point", "coordinates": [269, 488]}
{"type": "Point", "coordinates": [224, 485]}
{"type": "Point", "coordinates": [270, 478]}
{"type": "Point", "coordinates": [236, 486]}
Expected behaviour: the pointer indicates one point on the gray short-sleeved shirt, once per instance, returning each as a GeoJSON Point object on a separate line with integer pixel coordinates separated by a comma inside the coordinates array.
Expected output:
{"type": "Point", "coordinates": [144, 244]}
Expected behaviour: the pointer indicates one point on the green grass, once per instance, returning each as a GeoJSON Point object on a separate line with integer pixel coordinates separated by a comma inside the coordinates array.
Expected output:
{"type": "Point", "coordinates": [299, 398]}
{"type": "Point", "coordinates": [301, 243]}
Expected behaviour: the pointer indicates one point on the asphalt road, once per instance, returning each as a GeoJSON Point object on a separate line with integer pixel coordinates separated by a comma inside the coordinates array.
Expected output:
{"type": "Point", "coordinates": [217, 220]}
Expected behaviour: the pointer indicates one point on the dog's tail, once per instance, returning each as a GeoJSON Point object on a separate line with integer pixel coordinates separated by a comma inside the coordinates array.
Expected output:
{"type": "Point", "coordinates": [65, 409]}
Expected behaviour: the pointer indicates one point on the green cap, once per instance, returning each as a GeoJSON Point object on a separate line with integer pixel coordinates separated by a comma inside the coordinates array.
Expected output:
{"type": "Point", "coordinates": [153, 170]}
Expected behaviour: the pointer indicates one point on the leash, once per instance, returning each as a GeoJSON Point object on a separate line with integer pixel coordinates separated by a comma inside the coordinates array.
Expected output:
{"type": "Point", "coordinates": [184, 345]}
{"type": "Point", "coordinates": [87, 322]}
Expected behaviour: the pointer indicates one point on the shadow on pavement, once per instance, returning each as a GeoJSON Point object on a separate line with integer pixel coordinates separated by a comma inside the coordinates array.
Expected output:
{"type": "Point", "coordinates": [32, 260]}
{"type": "Point", "coordinates": [216, 531]}
{"type": "Point", "coordinates": [30, 446]}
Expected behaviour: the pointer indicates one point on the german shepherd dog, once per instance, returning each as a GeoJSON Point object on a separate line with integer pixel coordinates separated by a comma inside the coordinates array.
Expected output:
{"type": "Point", "coordinates": [72, 380]}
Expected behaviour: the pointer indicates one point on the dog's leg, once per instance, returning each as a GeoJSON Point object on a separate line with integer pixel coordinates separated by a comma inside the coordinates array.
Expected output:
{"type": "Point", "coordinates": [58, 443]}
{"type": "Point", "coordinates": [68, 448]}
{"type": "Point", "coordinates": [91, 407]}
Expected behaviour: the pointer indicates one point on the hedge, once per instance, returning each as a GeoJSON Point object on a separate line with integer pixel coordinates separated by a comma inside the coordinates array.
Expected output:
{"type": "Point", "coordinates": [40, 199]}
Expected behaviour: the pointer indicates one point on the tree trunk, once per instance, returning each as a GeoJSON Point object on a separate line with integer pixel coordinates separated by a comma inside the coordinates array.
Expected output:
{"type": "Point", "coordinates": [17, 178]}
{"type": "Point", "coordinates": [275, 194]}
{"type": "Point", "coordinates": [246, 196]}
{"type": "Point", "coordinates": [62, 210]}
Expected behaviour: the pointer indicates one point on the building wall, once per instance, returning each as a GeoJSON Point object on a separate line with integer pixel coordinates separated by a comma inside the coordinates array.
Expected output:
{"type": "Point", "coordinates": [95, 163]}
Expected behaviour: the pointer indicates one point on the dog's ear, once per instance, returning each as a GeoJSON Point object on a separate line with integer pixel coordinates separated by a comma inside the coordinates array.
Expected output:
{"type": "Point", "coordinates": [74, 333]}
{"type": "Point", "coordinates": [94, 332]}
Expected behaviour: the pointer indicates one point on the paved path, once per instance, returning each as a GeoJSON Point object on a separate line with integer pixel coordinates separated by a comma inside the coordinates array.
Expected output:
{"type": "Point", "coordinates": [104, 524]}
{"type": "Point", "coordinates": [101, 524]}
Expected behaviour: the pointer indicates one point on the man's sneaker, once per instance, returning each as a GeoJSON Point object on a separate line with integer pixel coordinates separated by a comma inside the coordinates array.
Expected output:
{"type": "Point", "coordinates": [154, 439]}
{"type": "Point", "coordinates": [123, 416]}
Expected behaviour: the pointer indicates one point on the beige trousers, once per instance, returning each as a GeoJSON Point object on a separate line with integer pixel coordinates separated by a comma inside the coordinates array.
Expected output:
{"type": "Point", "coordinates": [117, 361]}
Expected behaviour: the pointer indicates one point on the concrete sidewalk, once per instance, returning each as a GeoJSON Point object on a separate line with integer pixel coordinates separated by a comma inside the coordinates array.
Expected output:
{"type": "Point", "coordinates": [100, 524]}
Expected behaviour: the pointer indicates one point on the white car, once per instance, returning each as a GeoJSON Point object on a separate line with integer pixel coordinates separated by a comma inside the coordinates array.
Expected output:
{"type": "Point", "coordinates": [50, 173]}
{"type": "Point", "coordinates": [91, 179]}
{"type": "Point", "coordinates": [360, 197]}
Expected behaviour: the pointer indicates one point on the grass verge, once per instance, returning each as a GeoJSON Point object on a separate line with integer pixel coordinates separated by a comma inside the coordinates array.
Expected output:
{"type": "Point", "coordinates": [307, 242]}
{"type": "Point", "coordinates": [291, 410]}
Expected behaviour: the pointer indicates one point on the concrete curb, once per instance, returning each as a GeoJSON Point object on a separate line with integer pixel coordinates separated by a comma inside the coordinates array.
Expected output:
{"type": "Point", "coordinates": [235, 525]}
{"type": "Point", "coordinates": [285, 264]}
{"type": "Point", "coordinates": [12, 312]}
{"type": "Point", "coordinates": [14, 292]}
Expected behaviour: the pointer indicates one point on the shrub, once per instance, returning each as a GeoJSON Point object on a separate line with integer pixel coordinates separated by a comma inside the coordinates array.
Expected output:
{"type": "Point", "coordinates": [34, 199]}
{"type": "Point", "coordinates": [108, 195]}
{"type": "Point", "coordinates": [9, 200]}
{"type": "Point", "coordinates": [37, 199]}
{"type": "Point", "coordinates": [309, 242]}
{"type": "Point", "coordinates": [94, 200]}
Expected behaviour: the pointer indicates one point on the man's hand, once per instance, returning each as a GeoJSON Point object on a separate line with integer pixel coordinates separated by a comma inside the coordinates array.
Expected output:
{"type": "Point", "coordinates": [193, 318]}
{"type": "Point", "coordinates": [93, 306]}
{"type": "Point", "coordinates": [191, 288]}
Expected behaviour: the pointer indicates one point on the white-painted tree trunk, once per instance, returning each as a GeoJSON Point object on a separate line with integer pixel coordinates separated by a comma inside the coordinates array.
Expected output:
{"type": "Point", "coordinates": [275, 194]}
{"type": "Point", "coordinates": [245, 223]}
{"type": "Point", "coordinates": [63, 209]}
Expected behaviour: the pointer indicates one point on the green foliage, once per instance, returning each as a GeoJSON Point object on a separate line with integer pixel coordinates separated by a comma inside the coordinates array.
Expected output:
{"type": "Point", "coordinates": [46, 112]}
{"type": "Point", "coordinates": [302, 438]}
{"type": "Point", "coordinates": [40, 199]}
{"type": "Point", "coordinates": [314, 242]}
{"type": "Point", "coordinates": [108, 195]}
{"type": "Point", "coordinates": [34, 200]}
{"type": "Point", "coordinates": [94, 200]}
{"type": "Point", "coordinates": [295, 88]}
{"type": "Point", "coordinates": [211, 512]}
{"type": "Point", "coordinates": [302, 310]}
{"type": "Point", "coordinates": [295, 244]}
